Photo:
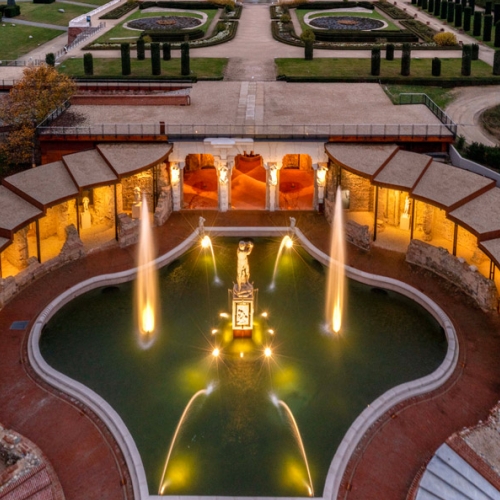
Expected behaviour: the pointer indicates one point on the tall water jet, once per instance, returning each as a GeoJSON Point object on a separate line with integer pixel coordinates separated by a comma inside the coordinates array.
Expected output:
{"type": "Point", "coordinates": [207, 391]}
{"type": "Point", "coordinates": [279, 403]}
{"type": "Point", "coordinates": [206, 243]}
{"type": "Point", "coordinates": [336, 272]}
{"type": "Point", "coordinates": [146, 288]}
{"type": "Point", "coordinates": [286, 242]}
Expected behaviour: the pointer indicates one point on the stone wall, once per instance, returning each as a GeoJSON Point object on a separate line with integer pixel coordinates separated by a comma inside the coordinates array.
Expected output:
{"type": "Point", "coordinates": [164, 207]}
{"type": "Point", "coordinates": [358, 234]}
{"type": "Point", "coordinates": [456, 271]}
{"type": "Point", "coordinates": [300, 161]}
{"type": "Point", "coordinates": [103, 209]}
{"type": "Point", "coordinates": [361, 192]}
{"type": "Point", "coordinates": [197, 161]}
{"type": "Point", "coordinates": [144, 180]}
{"type": "Point", "coordinates": [128, 230]}
{"type": "Point", "coordinates": [17, 252]}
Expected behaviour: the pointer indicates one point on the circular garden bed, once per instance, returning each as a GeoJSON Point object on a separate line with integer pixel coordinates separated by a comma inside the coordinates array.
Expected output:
{"type": "Point", "coordinates": [346, 23]}
{"type": "Point", "coordinates": [165, 23]}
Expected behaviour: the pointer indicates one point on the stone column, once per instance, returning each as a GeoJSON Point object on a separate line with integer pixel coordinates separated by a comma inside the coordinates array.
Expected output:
{"type": "Point", "coordinates": [321, 169]}
{"type": "Point", "coordinates": [224, 168]}
{"type": "Point", "coordinates": [176, 183]}
{"type": "Point", "coordinates": [272, 185]}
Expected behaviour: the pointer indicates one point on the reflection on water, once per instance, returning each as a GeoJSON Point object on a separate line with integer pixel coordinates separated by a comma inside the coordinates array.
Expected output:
{"type": "Point", "coordinates": [234, 442]}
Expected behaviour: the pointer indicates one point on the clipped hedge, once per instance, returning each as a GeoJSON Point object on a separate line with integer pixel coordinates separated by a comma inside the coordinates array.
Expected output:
{"type": "Point", "coordinates": [420, 29]}
{"type": "Point", "coordinates": [334, 5]}
{"type": "Point", "coordinates": [232, 15]}
{"type": "Point", "coordinates": [44, 1]}
{"type": "Point", "coordinates": [121, 10]}
{"type": "Point", "coordinates": [364, 36]}
{"type": "Point", "coordinates": [180, 5]}
{"type": "Point", "coordinates": [393, 11]}
{"type": "Point", "coordinates": [173, 35]}
{"type": "Point", "coordinates": [11, 10]}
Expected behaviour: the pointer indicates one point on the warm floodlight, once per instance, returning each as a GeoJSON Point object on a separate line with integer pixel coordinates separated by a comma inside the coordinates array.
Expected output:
{"type": "Point", "coordinates": [271, 331]}
{"type": "Point", "coordinates": [205, 242]}
{"type": "Point", "coordinates": [264, 314]}
{"type": "Point", "coordinates": [241, 354]}
{"type": "Point", "coordinates": [289, 242]}
{"type": "Point", "coordinates": [267, 352]}
{"type": "Point", "coordinates": [215, 352]}
{"type": "Point", "coordinates": [224, 315]}
{"type": "Point", "coordinates": [214, 331]}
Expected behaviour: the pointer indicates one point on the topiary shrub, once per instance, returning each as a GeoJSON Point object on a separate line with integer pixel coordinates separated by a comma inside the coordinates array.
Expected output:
{"type": "Point", "coordinates": [487, 7]}
{"type": "Point", "coordinates": [496, 13]}
{"type": "Point", "coordinates": [88, 64]}
{"type": "Point", "coordinates": [167, 55]}
{"type": "Point", "coordinates": [308, 38]}
{"type": "Point", "coordinates": [389, 52]}
{"type": "Point", "coordinates": [436, 67]}
{"type": "Point", "coordinates": [185, 62]}
{"type": "Point", "coordinates": [431, 6]}
{"type": "Point", "coordinates": [496, 42]}
{"type": "Point", "coordinates": [406, 60]}
{"type": "Point", "coordinates": [125, 53]}
{"type": "Point", "coordinates": [445, 39]}
{"type": "Point", "coordinates": [474, 51]}
{"type": "Point", "coordinates": [458, 15]}
{"type": "Point", "coordinates": [50, 59]}
{"type": "Point", "coordinates": [141, 49]}
{"type": "Point", "coordinates": [466, 60]}
{"type": "Point", "coordinates": [437, 7]}
{"type": "Point", "coordinates": [488, 23]}
{"type": "Point", "coordinates": [11, 11]}
{"type": "Point", "coordinates": [444, 10]}
{"type": "Point", "coordinates": [476, 29]}
{"type": "Point", "coordinates": [467, 17]}
{"type": "Point", "coordinates": [496, 63]}
{"type": "Point", "coordinates": [425, 4]}
{"type": "Point", "coordinates": [285, 18]}
{"type": "Point", "coordinates": [155, 59]}
{"type": "Point", "coordinates": [375, 69]}
{"type": "Point", "coordinates": [472, 4]}
{"type": "Point", "coordinates": [451, 12]}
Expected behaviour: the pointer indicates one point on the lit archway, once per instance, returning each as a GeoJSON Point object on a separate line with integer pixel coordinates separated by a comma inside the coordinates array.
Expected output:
{"type": "Point", "coordinates": [248, 183]}
{"type": "Point", "coordinates": [296, 185]}
{"type": "Point", "coordinates": [200, 182]}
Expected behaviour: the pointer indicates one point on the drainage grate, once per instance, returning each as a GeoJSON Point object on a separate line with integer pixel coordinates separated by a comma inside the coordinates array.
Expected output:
{"type": "Point", "coordinates": [19, 325]}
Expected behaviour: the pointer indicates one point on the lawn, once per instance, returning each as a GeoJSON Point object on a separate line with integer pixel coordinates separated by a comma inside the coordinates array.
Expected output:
{"type": "Point", "coordinates": [373, 15]}
{"type": "Point", "coordinates": [15, 41]}
{"type": "Point", "coordinates": [323, 68]}
{"type": "Point", "coordinates": [119, 34]}
{"type": "Point", "coordinates": [202, 68]}
{"type": "Point", "coordinates": [49, 13]}
{"type": "Point", "coordinates": [441, 96]}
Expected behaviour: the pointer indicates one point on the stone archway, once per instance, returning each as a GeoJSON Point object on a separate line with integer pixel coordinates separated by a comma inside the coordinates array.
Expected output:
{"type": "Point", "coordinates": [248, 183]}
{"type": "Point", "coordinates": [200, 182]}
{"type": "Point", "coordinates": [296, 184]}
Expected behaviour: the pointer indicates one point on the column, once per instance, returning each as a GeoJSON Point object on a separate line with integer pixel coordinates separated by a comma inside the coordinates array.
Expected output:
{"type": "Point", "coordinates": [223, 167]}
{"type": "Point", "coordinates": [176, 183]}
{"type": "Point", "coordinates": [272, 184]}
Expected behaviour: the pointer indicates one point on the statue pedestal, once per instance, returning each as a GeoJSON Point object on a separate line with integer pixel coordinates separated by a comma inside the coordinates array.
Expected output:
{"type": "Point", "coordinates": [136, 210]}
{"type": "Point", "coordinates": [85, 220]}
{"type": "Point", "coordinates": [404, 222]}
{"type": "Point", "coordinates": [243, 309]}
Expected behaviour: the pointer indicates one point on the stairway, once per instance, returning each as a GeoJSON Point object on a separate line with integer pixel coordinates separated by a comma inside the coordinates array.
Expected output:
{"type": "Point", "coordinates": [449, 477]}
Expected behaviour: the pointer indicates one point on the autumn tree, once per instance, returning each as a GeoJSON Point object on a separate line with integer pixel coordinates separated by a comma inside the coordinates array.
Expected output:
{"type": "Point", "coordinates": [41, 90]}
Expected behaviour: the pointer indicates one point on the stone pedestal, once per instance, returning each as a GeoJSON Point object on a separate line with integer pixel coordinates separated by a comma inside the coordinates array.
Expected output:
{"type": "Point", "coordinates": [404, 222]}
{"type": "Point", "coordinates": [243, 310]}
{"type": "Point", "coordinates": [136, 210]}
{"type": "Point", "coordinates": [85, 220]}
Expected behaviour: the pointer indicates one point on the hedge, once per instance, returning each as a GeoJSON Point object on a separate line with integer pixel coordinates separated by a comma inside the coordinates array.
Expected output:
{"type": "Point", "coordinates": [88, 64]}
{"type": "Point", "coordinates": [185, 63]}
{"type": "Point", "coordinates": [125, 53]}
{"type": "Point", "coordinates": [333, 5]}
{"type": "Point", "coordinates": [393, 11]}
{"type": "Point", "coordinates": [420, 29]}
{"type": "Point", "coordinates": [155, 59]}
{"type": "Point", "coordinates": [11, 10]}
{"type": "Point", "coordinates": [488, 22]}
{"type": "Point", "coordinates": [375, 62]}
{"type": "Point", "coordinates": [365, 36]}
{"type": "Point", "coordinates": [180, 5]}
{"type": "Point", "coordinates": [121, 10]}
{"type": "Point", "coordinates": [173, 35]}
{"type": "Point", "coordinates": [235, 14]}
{"type": "Point", "coordinates": [436, 67]}
{"type": "Point", "coordinates": [389, 52]}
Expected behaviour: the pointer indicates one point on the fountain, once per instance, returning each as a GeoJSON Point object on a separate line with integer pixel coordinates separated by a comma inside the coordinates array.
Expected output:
{"type": "Point", "coordinates": [199, 449]}
{"type": "Point", "coordinates": [286, 242]}
{"type": "Point", "coordinates": [146, 291]}
{"type": "Point", "coordinates": [336, 271]}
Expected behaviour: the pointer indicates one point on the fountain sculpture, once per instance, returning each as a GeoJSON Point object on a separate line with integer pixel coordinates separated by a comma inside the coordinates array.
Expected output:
{"type": "Point", "coordinates": [243, 293]}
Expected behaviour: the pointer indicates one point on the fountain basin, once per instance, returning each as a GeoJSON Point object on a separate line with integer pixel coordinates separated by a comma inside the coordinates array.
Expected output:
{"type": "Point", "coordinates": [302, 384]}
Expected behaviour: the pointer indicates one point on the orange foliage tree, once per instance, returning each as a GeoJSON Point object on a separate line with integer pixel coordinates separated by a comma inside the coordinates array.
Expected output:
{"type": "Point", "coordinates": [41, 90]}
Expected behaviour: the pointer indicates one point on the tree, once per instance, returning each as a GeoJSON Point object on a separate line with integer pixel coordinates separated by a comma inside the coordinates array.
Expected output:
{"type": "Point", "coordinates": [478, 20]}
{"type": "Point", "coordinates": [389, 52]}
{"type": "Point", "coordinates": [496, 43]}
{"type": "Point", "coordinates": [185, 62]}
{"type": "Point", "coordinates": [166, 51]}
{"type": "Point", "coordinates": [467, 17]}
{"type": "Point", "coordinates": [496, 63]}
{"type": "Point", "coordinates": [41, 90]}
{"type": "Point", "coordinates": [88, 64]}
{"type": "Point", "coordinates": [466, 60]}
{"type": "Point", "coordinates": [375, 69]}
{"type": "Point", "coordinates": [50, 59]}
{"type": "Point", "coordinates": [155, 59]}
{"type": "Point", "coordinates": [141, 49]}
{"type": "Point", "coordinates": [475, 52]}
{"type": "Point", "coordinates": [437, 8]}
{"type": "Point", "coordinates": [406, 59]}
{"type": "Point", "coordinates": [458, 15]}
{"type": "Point", "coordinates": [444, 10]}
{"type": "Point", "coordinates": [436, 67]}
{"type": "Point", "coordinates": [488, 22]}
{"type": "Point", "coordinates": [308, 38]}
{"type": "Point", "coordinates": [125, 53]}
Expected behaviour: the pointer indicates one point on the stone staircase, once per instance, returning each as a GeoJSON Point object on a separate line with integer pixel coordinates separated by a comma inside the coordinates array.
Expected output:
{"type": "Point", "coordinates": [449, 477]}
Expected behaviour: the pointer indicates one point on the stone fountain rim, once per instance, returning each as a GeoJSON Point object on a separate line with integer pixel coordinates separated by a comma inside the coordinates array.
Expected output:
{"type": "Point", "coordinates": [355, 432]}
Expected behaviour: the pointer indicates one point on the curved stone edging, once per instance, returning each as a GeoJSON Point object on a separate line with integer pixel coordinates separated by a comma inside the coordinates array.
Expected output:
{"type": "Point", "coordinates": [356, 431]}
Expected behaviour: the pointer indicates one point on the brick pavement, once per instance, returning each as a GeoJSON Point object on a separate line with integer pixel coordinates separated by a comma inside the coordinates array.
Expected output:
{"type": "Point", "coordinates": [86, 458]}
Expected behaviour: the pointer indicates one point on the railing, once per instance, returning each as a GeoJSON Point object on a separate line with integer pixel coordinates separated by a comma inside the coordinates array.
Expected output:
{"type": "Point", "coordinates": [79, 39]}
{"type": "Point", "coordinates": [29, 62]}
{"type": "Point", "coordinates": [434, 108]}
{"type": "Point", "coordinates": [55, 114]}
{"type": "Point", "coordinates": [304, 132]}
{"type": "Point", "coordinates": [89, 84]}
{"type": "Point", "coordinates": [82, 20]}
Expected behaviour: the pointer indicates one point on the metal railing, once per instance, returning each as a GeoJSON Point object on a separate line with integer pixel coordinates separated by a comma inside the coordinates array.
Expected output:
{"type": "Point", "coordinates": [304, 132]}
{"type": "Point", "coordinates": [432, 106]}
{"type": "Point", "coordinates": [55, 114]}
{"type": "Point", "coordinates": [80, 39]}
{"type": "Point", "coordinates": [22, 63]}
{"type": "Point", "coordinates": [81, 21]}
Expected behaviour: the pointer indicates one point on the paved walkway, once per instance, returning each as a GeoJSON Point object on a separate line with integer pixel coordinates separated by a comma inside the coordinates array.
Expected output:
{"type": "Point", "coordinates": [32, 23]}
{"type": "Point", "coordinates": [86, 458]}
